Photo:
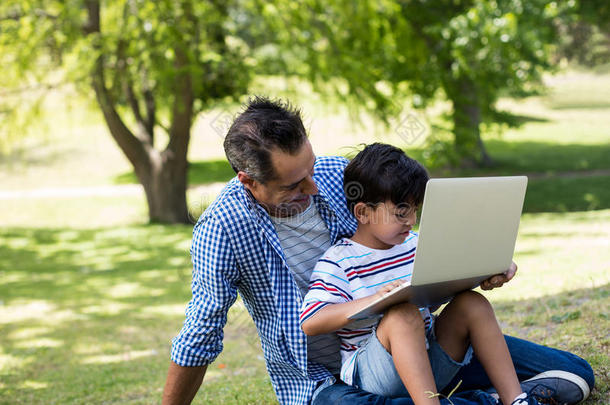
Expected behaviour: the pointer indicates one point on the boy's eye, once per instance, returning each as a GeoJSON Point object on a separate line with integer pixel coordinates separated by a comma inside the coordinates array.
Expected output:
{"type": "Point", "coordinates": [403, 213]}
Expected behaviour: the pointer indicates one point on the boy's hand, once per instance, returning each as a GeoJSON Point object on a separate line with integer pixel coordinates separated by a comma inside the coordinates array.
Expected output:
{"type": "Point", "coordinates": [499, 279]}
{"type": "Point", "coordinates": [387, 288]}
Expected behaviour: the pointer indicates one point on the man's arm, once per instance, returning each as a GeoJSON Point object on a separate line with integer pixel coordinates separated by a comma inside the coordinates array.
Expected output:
{"type": "Point", "coordinates": [199, 342]}
{"type": "Point", "coordinates": [182, 384]}
{"type": "Point", "coordinates": [499, 279]}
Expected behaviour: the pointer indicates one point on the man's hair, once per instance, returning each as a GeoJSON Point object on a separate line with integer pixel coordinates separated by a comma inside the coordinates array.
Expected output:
{"type": "Point", "coordinates": [382, 172]}
{"type": "Point", "coordinates": [264, 125]}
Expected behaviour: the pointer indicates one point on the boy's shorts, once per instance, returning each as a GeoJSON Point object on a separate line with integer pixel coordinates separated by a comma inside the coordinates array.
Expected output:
{"type": "Point", "coordinates": [375, 372]}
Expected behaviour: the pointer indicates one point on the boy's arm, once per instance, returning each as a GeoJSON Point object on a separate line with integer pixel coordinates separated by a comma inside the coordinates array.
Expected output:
{"type": "Point", "coordinates": [333, 317]}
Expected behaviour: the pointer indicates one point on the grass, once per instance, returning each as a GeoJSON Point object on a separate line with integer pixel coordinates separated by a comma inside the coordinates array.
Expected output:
{"type": "Point", "coordinates": [87, 315]}
{"type": "Point", "coordinates": [201, 172]}
{"type": "Point", "coordinates": [91, 295]}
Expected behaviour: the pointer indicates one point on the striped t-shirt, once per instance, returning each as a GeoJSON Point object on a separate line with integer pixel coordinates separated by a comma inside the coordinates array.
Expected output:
{"type": "Point", "coordinates": [349, 271]}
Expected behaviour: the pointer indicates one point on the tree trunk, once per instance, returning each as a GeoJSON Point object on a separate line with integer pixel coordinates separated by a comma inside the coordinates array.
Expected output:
{"type": "Point", "coordinates": [164, 180]}
{"type": "Point", "coordinates": [466, 125]}
{"type": "Point", "coordinates": [162, 174]}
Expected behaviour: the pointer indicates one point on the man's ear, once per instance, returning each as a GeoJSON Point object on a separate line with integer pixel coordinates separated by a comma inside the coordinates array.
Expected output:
{"type": "Point", "coordinates": [362, 212]}
{"type": "Point", "coordinates": [247, 181]}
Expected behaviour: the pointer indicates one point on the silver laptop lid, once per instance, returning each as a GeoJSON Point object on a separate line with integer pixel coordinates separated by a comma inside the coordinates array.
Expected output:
{"type": "Point", "coordinates": [488, 209]}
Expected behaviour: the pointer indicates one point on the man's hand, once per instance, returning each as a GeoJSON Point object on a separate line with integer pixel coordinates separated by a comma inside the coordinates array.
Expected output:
{"type": "Point", "coordinates": [499, 279]}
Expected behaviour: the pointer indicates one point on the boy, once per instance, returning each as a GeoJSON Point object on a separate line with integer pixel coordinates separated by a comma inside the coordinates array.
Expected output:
{"type": "Point", "coordinates": [409, 351]}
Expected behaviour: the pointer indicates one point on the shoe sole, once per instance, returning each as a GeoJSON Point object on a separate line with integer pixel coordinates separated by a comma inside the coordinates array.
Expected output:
{"type": "Point", "coordinates": [565, 375]}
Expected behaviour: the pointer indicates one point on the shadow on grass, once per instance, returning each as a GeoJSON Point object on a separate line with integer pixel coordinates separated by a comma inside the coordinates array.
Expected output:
{"type": "Point", "coordinates": [559, 178]}
{"type": "Point", "coordinates": [513, 157]}
{"type": "Point", "coordinates": [86, 316]}
{"type": "Point", "coordinates": [567, 194]}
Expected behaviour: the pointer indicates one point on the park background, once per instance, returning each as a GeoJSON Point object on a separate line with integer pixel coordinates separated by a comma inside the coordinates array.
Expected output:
{"type": "Point", "coordinates": [93, 288]}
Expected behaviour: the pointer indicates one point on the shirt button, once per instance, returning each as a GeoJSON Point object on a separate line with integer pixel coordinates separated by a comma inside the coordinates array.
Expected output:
{"type": "Point", "coordinates": [301, 340]}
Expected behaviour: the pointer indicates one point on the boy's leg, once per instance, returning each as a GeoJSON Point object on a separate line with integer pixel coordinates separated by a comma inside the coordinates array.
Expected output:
{"type": "Point", "coordinates": [403, 334]}
{"type": "Point", "coordinates": [529, 359]}
{"type": "Point", "coordinates": [469, 319]}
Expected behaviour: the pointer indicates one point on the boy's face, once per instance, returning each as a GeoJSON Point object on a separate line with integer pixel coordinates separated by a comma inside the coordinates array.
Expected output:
{"type": "Point", "coordinates": [390, 224]}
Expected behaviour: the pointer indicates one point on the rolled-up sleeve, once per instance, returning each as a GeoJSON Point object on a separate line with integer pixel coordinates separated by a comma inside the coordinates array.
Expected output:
{"type": "Point", "coordinates": [214, 278]}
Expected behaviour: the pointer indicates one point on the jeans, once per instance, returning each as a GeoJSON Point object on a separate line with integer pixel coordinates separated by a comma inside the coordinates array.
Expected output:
{"type": "Point", "coordinates": [375, 371]}
{"type": "Point", "coordinates": [529, 359]}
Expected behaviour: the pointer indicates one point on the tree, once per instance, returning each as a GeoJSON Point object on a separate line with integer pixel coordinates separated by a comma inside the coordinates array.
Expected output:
{"type": "Point", "coordinates": [585, 33]}
{"type": "Point", "coordinates": [153, 66]}
{"type": "Point", "coordinates": [468, 51]}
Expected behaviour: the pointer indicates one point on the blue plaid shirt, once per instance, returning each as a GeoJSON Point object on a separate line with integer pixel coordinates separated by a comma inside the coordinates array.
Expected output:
{"type": "Point", "coordinates": [235, 248]}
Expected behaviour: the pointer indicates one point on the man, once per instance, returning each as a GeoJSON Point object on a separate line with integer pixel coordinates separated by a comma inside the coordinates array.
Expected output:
{"type": "Point", "coordinates": [262, 236]}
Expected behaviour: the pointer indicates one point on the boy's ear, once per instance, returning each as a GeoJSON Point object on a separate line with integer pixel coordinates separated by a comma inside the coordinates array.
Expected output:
{"type": "Point", "coordinates": [362, 212]}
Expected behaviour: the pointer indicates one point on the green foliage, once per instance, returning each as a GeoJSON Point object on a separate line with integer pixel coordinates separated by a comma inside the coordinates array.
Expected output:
{"type": "Point", "coordinates": [469, 52]}
{"type": "Point", "coordinates": [585, 34]}
{"type": "Point", "coordinates": [46, 42]}
{"type": "Point", "coordinates": [153, 66]}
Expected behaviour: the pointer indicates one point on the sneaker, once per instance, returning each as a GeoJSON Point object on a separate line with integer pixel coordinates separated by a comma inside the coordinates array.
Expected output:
{"type": "Point", "coordinates": [556, 387]}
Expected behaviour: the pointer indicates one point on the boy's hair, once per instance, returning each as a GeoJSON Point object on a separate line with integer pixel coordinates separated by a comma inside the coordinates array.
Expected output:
{"type": "Point", "coordinates": [264, 125]}
{"type": "Point", "coordinates": [382, 172]}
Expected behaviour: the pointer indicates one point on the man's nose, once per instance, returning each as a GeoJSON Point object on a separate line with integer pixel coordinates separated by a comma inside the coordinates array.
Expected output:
{"type": "Point", "coordinates": [309, 186]}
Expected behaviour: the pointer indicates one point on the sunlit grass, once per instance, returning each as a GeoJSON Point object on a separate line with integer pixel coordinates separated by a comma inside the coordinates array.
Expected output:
{"type": "Point", "coordinates": [72, 330]}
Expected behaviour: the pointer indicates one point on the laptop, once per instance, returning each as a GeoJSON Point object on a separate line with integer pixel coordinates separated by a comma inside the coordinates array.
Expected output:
{"type": "Point", "coordinates": [467, 233]}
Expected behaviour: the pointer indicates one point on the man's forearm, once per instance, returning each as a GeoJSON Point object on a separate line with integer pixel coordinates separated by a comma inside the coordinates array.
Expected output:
{"type": "Point", "coordinates": [182, 384]}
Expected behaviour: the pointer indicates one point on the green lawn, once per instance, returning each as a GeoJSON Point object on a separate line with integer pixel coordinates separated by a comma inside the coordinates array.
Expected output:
{"type": "Point", "coordinates": [91, 295]}
{"type": "Point", "coordinates": [87, 313]}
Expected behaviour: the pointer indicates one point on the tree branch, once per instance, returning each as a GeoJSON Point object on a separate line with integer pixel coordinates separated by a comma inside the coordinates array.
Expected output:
{"type": "Point", "coordinates": [131, 146]}
{"type": "Point", "coordinates": [150, 107]}
{"type": "Point", "coordinates": [182, 109]}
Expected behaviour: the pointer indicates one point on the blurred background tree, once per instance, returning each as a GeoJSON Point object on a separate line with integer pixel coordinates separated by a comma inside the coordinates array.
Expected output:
{"type": "Point", "coordinates": [153, 66]}
{"type": "Point", "coordinates": [469, 52]}
{"type": "Point", "coordinates": [585, 34]}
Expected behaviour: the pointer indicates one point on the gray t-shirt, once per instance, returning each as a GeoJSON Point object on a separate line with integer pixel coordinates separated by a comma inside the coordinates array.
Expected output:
{"type": "Point", "coordinates": [304, 238]}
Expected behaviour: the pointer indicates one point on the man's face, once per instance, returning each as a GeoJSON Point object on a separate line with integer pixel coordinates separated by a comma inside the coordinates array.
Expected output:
{"type": "Point", "coordinates": [289, 192]}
